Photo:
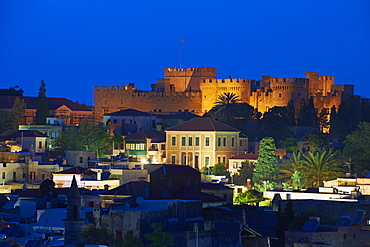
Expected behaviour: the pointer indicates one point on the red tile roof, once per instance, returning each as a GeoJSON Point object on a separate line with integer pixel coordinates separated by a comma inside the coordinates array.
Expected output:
{"type": "Point", "coordinates": [13, 134]}
{"type": "Point", "coordinates": [148, 134]}
{"type": "Point", "coordinates": [245, 157]}
{"type": "Point", "coordinates": [202, 124]}
{"type": "Point", "coordinates": [77, 170]}
{"type": "Point", "coordinates": [6, 102]}
{"type": "Point", "coordinates": [172, 169]}
{"type": "Point", "coordinates": [128, 112]}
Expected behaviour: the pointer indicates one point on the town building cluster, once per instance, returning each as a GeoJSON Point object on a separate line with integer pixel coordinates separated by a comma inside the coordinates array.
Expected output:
{"type": "Point", "coordinates": [157, 173]}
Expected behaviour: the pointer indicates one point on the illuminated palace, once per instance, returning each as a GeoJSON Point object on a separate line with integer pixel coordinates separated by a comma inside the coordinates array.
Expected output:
{"type": "Point", "coordinates": [196, 90]}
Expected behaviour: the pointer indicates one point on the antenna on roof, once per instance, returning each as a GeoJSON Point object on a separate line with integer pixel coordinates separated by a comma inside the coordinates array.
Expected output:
{"type": "Point", "coordinates": [181, 41]}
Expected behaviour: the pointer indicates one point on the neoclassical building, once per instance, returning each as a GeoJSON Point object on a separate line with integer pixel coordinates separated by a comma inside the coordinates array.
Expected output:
{"type": "Point", "coordinates": [203, 142]}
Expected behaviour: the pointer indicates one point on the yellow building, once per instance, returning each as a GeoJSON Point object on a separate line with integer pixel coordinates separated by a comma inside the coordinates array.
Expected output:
{"type": "Point", "coordinates": [203, 142]}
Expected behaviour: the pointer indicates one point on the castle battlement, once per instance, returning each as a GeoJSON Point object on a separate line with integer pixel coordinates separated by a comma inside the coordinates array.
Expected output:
{"type": "Point", "coordinates": [329, 78]}
{"type": "Point", "coordinates": [190, 69]}
{"type": "Point", "coordinates": [229, 80]}
{"type": "Point", "coordinates": [129, 86]}
{"type": "Point", "coordinates": [289, 80]}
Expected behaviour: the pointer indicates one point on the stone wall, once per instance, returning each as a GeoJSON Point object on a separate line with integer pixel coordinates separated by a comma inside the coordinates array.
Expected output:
{"type": "Point", "coordinates": [112, 99]}
{"type": "Point", "coordinates": [196, 90]}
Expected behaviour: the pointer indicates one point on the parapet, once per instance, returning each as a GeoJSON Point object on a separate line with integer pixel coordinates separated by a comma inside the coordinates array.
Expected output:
{"type": "Point", "coordinates": [190, 69]}
{"type": "Point", "coordinates": [129, 86]}
{"type": "Point", "coordinates": [229, 80]}
{"type": "Point", "coordinates": [288, 81]}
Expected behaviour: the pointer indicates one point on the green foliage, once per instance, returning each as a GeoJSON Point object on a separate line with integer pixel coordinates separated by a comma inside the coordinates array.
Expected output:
{"type": "Point", "coordinates": [159, 238]}
{"type": "Point", "coordinates": [290, 113]}
{"type": "Point", "coordinates": [265, 185]}
{"type": "Point", "coordinates": [287, 169]}
{"type": "Point", "coordinates": [230, 113]}
{"type": "Point", "coordinates": [117, 139]}
{"type": "Point", "coordinates": [207, 170]}
{"type": "Point", "coordinates": [219, 169]}
{"type": "Point", "coordinates": [290, 144]}
{"type": "Point", "coordinates": [299, 180]}
{"type": "Point", "coordinates": [275, 123]}
{"type": "Point", "coordinates": [13, 91]}
{"type": "Point", "coordinates": [266, 167]}
{"type": "Point", "coordinates": [227, 98]}
{"type": "Point", "coordinates": [42, 110]}
{"type": "Point", "coordinates": [5, 120]}
{"type": "Point", "coordinates": [320, 164]}
{"type": "Point", "coordinates": [317, 139]}
{"type": "Point", "coordinates": [87, 136]}
{"type": "Point", "coordinates": [128, 241]}
{"type": "Point", "coordinates": [97, 236]}
{"type": "Point", "coordinates": [357, 148]}
{"type": "Point", "coordinates": [18, 111]}
{"type": "Point", "coordinates": [250, 197]}
{"type": "Point", "coordinates": [244, 172]}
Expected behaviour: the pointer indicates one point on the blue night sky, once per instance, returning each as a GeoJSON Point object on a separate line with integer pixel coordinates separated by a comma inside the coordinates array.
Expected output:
{"type": "Point", "coordinates": [76, 45]}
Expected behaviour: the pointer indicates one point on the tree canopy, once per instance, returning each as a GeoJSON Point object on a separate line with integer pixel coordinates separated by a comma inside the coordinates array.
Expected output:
{"type": "Point", "coordinates": [18, 111]}
{"type": "Point", "coordinates": [244, 172]}
{"type": "Point", "coordinates": [250, 197]}
{"type": "Point", "coordinates": [266, 166]}
{"type": "Point", "coordinates": [87, 136]}
{"type": "Point", "coordinates": [320, 164]}
{"type": "Point", "coordinates": [357, 148]}
{"type": "Point", "coordinates": [42, 110]}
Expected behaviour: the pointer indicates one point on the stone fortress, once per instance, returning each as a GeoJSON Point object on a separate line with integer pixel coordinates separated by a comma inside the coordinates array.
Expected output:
{"type": "Point", "coordinates": [196, 90]}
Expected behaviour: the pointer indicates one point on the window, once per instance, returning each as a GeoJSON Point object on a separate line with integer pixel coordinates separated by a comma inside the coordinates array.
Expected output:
{"type": "Point", "coordinates": [81, 159]}
{"type": "Point", "coordinates": [40, 144]}
{"type": "Point", "coordinates": [114, 121]}
{"type": "Point", "coordinates": [344, 236]}
{"type": "Point", "coordinates": [43, 176]}
{"type": "Point", "coordinates": [224, 160]}
{"type": "Point", "coordinates": [173, 159]}
{"type": "Point", "coordinates": [206, 161]}
{"type": "Point", "coordinates": [218, 141]}
{"type": "Point", "coordinates": [241, 143]}
{"type": "Point", "coordinates": [173, 141]}
{"type": "Point", "coordinates": [235, 165]}
{"type": "Point", "coordinates": [207, 141]}
{"type": "Point", "coordinates": [224, 142]}
{"type": "Point", "coordinates": [280, 94]}
{"type": "Point", "coordinates": [197, 141]}
{"type": "Point", "coordinates": [190, 141]}
{"type": "Point", "coordinates": [218, 159]}
{"type": "Point", "coordinates": [3, 175]}
{"type": "Point", "coordinates": [32, 175]}
{"type": "Point", "coordinates": [183, 141]}
{"type": "Point", "coordinates": [4, 164]}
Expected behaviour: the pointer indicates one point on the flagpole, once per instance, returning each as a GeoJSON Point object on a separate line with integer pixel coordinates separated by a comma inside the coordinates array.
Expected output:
{"type": "Point", "coordinates": [181, 41]}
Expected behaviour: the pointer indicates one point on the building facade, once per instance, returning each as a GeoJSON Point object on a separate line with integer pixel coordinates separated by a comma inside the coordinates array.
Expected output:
{"type": "Point", "coordinates": [196, 90]}
{"type": "Point", "coordinates": [201, 142]}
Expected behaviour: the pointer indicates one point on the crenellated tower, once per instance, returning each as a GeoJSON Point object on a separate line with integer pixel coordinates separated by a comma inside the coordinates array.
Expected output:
{"type": "Point", "coordinates": [188, 79]}
{"type": "Point", "coordinates": [211, 88]}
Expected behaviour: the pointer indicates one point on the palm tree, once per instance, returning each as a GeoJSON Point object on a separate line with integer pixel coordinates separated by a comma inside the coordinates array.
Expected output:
{"type": "Point", "coordinates": [322, 163]}
{"type": "Point", "coordinates": [294, 164]}
{"type": "Point", "coordinates": [227, 98]}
